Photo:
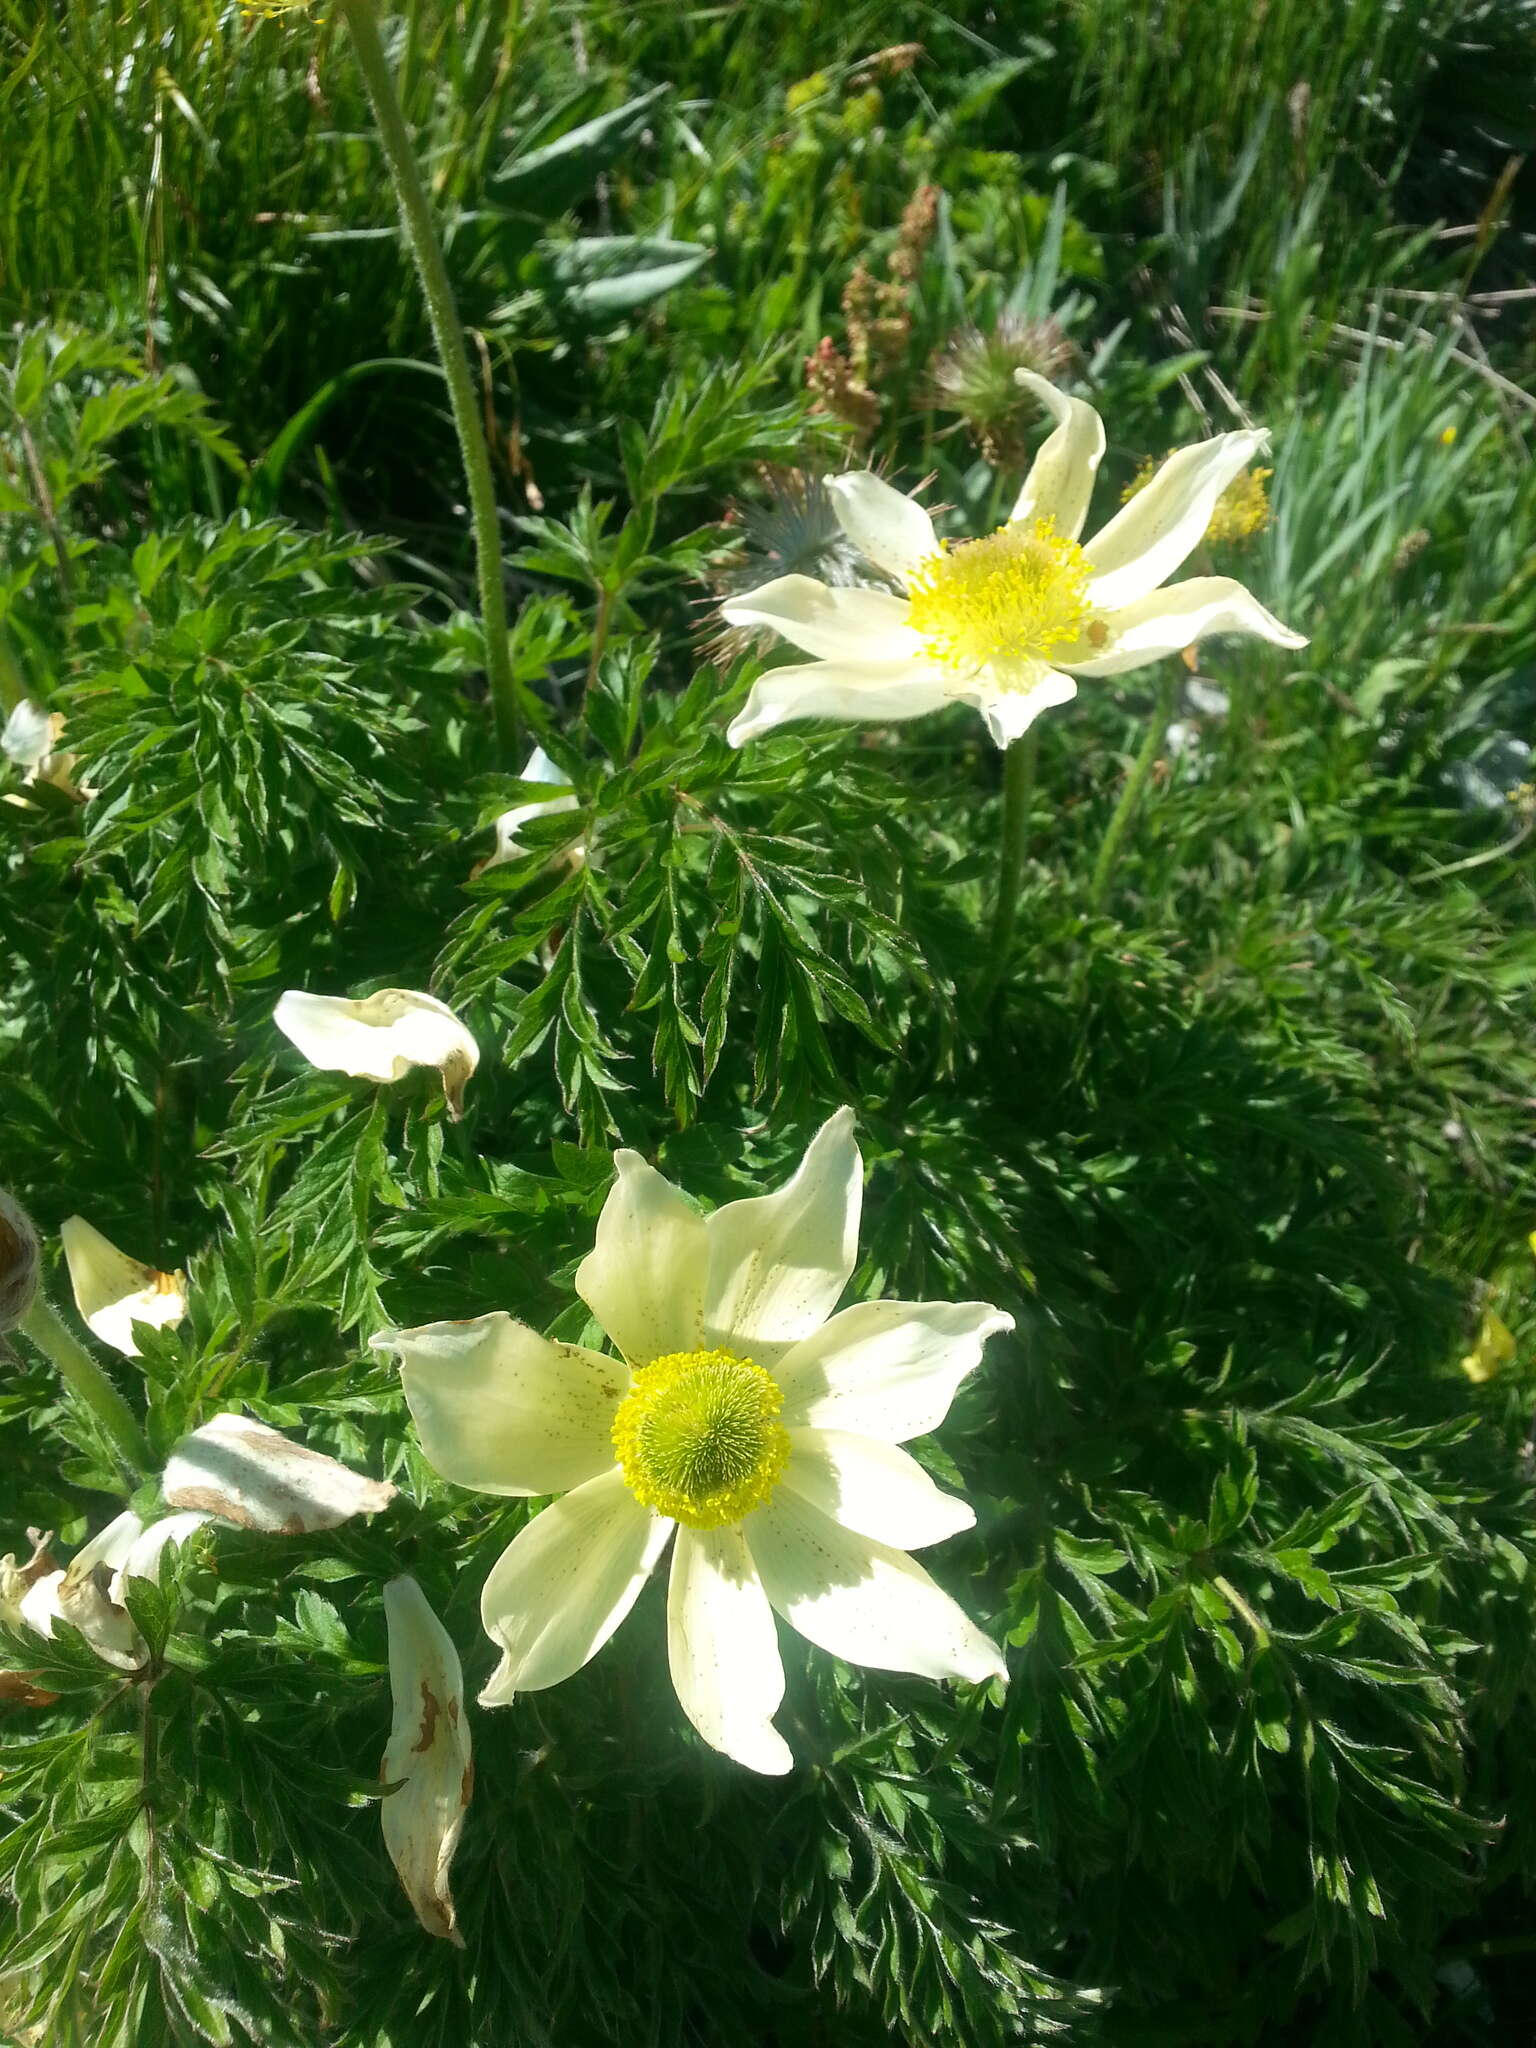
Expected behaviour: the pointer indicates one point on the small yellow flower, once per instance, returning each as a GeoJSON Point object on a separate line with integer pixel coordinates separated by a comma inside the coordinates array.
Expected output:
{"type": "Point", "coordinates": [1494, 1349]}
{"type": "Point", "coordinates": [1447, 437]}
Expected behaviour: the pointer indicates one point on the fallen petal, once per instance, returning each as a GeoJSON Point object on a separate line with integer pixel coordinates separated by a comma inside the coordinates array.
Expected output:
{"type": "Point", "coordinates": [113, 1292]}
{"type": "Point", "coordinates": [381, 1037]}
{"type": "Point", "coordinates": [241, 1471]}
{"type": "Point", "coordinates": [428, 1755]}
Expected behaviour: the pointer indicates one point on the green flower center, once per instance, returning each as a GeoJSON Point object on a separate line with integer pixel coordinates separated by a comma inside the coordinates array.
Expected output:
{"type": "Point", "coordinates": [697, 1437]}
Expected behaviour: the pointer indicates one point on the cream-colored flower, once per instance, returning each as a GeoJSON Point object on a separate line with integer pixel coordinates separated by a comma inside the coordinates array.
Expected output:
{"type": "Point", "coordinates": [429, 1750]}
{"type": "Point", "coordinates": [31, 738]}
{"type": "Point", "coordinates": [89, 1592]}
{"type": "Point", "coordinates": [113, 1292]}
{"type": "Point", "coordinates": [539, 768]}
{"type": "Point", "coordinates": [745, 1417]}
{"type": "Point", "coordinates": [380, 1037]}
{"type": "Point", "coordinates": [1006, 622]}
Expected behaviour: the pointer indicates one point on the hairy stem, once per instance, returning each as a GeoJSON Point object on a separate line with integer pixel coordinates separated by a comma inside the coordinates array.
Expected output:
{"type": "Point", "coordinates": [86, 1381]}
{"type": "Point", "coordinates": [1135, 788]}
{"type": "Point", "coordinates": [1018, 791]}
{"type": "Point", "coordinates": [448, 333]}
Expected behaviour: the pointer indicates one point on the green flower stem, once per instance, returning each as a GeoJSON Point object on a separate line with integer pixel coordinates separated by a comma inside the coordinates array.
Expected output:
{"type": "Point", "coordinates": [1018, 792]}
{"type": "Point", "coordinates": [86, 1381]}
{"type": "Point", "coordinates": [448, 333]}
{"type": "Point", "coordinates": [1135, 788]}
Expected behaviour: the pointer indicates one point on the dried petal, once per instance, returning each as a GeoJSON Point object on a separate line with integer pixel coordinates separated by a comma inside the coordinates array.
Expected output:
{"type": "Point", "coordinates": [429, 1750]}
{"type": "Point", "coordinates": [243, 1472]}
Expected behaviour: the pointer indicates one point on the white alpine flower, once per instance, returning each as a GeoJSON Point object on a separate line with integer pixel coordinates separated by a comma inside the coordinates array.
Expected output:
{"type": "Point", "coordinates": [113, 1292]}
{"type": "Point", "coordinates": [1006, 622]}
{"type": "Point", "coordinates": [743, 1415]}
{"type": "Point", "coordinates": [539, 768]}
{"type": "Point", "coordinates": [380, 1037]}
{"type": "Point", "coordinates": [429, 1750]}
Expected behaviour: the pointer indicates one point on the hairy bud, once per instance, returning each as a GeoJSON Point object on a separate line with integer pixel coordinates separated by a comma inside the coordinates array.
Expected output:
{"type": "Point", "coordinates": [19, 1262]}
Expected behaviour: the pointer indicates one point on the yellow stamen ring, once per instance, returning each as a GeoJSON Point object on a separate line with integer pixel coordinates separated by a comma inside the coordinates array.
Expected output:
{"type": "Point", "coordinates": [697, 1439]}
{"type": "Point", "coordinates": [1004, 602]}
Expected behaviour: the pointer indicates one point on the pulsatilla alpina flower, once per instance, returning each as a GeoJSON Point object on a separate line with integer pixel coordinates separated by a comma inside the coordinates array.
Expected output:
{"type": "Point", "coordinates": [744, 1419]}
{"type": "Point", "coordinates": [1006, 623]}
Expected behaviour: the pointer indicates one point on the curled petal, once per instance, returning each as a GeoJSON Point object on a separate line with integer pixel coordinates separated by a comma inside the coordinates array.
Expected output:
{"type": "Point", "coordinates": [888, 529]}
{"type": "Point", "coordinates": [428, 1756]}
{"type": "Point", "coordinates": [878, 694]}
{"type": "Point", "coordinates": [644, 1278]}
{"type": "Point", "coordinates": [886, 1369]}
{"type": "Point", "coordinates": [872, 1488]}
{"type": "Point", "coordinates": [724, 1648]}
{"type": "Point", "coordinates": [1151, 535]}
{"type": "Point", "coordinates": [241, 1471]}
{"type": "Point", "coordinates": [1166, 621]}
{"type": "Point", "coordinates": [777, 1263]}
{"type": "Point", "coordinates": [380, 1037]}
{"type": "Point", "coordinates": [504, 1410]}
{"type": "Point", "coordinates": [562, 1585]}
{"type": "Point", "coordinates": [1010, 713]}
{"type": "Point", "coordinates": [113, 1292]}
{"type": "Point", "coordinates": [1060, 480]}
{"type": "Point", "coordinates": [862, 1600]}
{"type": "Point", "coordinates": [861, 626]}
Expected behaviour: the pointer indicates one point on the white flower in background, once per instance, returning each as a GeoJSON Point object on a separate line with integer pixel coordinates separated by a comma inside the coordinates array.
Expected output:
{"type": "Point", "coordinates": [429, 1750]}
{"type": "Point", "coordinates": [380, 1037]}
{"type": "Point", "coordinates": [1006, 622]}
{"type": "Point", "coordinates": [745, 1417]}
{"type": "Point", "coordinates": [245, 1472]}
{"type": "Point", "coordinates": [30, 736]}
{"type": "Point", "coordinates": [113, 1292]}
{"type": "Point", "coordinates": [88, 1592]}
{"type": "Point", "coordinates": [539, 768]}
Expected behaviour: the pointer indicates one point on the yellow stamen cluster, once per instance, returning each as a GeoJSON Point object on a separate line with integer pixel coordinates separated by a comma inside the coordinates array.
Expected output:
{"type": "Point", "coordinates": [1002, 603]}
{"type": "Point", "coordinates": [697, 1439]}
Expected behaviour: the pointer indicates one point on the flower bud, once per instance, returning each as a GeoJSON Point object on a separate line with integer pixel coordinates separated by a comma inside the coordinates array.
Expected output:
{"type": "Point", "coordinates": [19, 1262]}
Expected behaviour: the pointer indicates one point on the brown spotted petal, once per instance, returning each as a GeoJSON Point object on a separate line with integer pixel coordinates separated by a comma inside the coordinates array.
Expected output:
{"type": "Point", "coordinates": [243, 1472]}
{"type": "Point", "coordinates": [428, 1756]}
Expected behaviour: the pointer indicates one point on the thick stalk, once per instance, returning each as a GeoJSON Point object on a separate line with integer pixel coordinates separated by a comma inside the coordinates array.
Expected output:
{"type": "Point", "coordinates": [448, 333]}
{"type": "Point", "coordinates": [86, 1381]}
{"type": "Point", "coordinates": [1018, 791]}
{"type": "Point", "coordinates": [1131, 796]}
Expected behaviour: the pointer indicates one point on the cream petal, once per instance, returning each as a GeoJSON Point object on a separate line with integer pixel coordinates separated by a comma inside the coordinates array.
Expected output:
{"type": "Point", "coordinates": [644, 1278]}
{"type": "Point", "coordinates": [892, 531]}
{"type": "Point", "coordinates": [881, 694]}
{"type": "Point", "coordinates": [1166, 621]}
{"type": "Point", "coordinates": [380, 1037]}
{"type": "Point", "coordinates": [111, 1546]}
{"type": "Point", "coordinates": [872, 1488]}
{"type": "Point", "coordinates": [144, 1553]}
{"type": "Point", "coordinates": [29, 736]}
{"type": "Point", "coordinates": [886, 1369]}
{"type": "Point", "coordinates": [1060, 480]}
{"type": "Point", "coordinates": [777, 1263]}
{"type": "Point", "coordinates": [1010, 713]}
{"type": "Point", "coordinates": [503, 1410]}
{"type": "Point", "coordinates": [240, 1470]}
{"type": "Point", "coordinates": [563, 1584]}
{"type": "Point", "coordinates": [862, 1600]}
{"type": "Point", "coordinates": [428, 1756]}
{"type": "Point", "coordinates": [537, 768]}
{"type": "Point", "coordinates": [866, 627]}
{"type": "Point", "coordinates": [113, 1292]}
{"type": "Point", "coordinates": [38, 1605]}
{"type": "Point", "coordinates": [1150, 536]}
{"type": "Point", "coordinates": [724, 1648]}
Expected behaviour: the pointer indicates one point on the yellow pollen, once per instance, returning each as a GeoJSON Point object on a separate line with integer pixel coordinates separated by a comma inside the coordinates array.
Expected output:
{"type": "Point", "coordinates": [697, 1439]}
{"type": "Point", "coordinates": [1004, 602]}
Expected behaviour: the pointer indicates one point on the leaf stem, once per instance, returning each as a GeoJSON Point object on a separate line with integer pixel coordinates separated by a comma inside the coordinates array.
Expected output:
{"type": "Point", "coordinates": [1135, 788]}
{"type": "Point", "coordinates": [86, 1380]}
{"type": "Point", "coordinates": [1019, 763]}
{"type": "Point", "coordinates": [448, 333]}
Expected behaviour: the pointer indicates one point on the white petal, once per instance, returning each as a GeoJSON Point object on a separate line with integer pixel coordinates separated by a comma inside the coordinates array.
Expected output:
{"type": "Point", "coordinates": [113, 1292]}
{"type": "Point", "coordinates": [503, 1410]}
{"type": "Point", "coordinates": [892, 531]}
{"type": "Point", "coordinates": [1010, 713]}
{"type": "Point", "coordinates": [878, 695]}
{"type": "Point", "coordinates": [862, 1600]}
{"type": "Point", "coordinates": [1166, 621]}
{"type": "Point", "coordinates": [79, 1596]}
{"type": "Point", "coordinates": [39, 1604]}
{"type": "Point", "coordinates": [644, 1278]}
{"type": "Point", "coordinates": [777, 1263]}
{"type": "Point", "coordinates": [429, 1750]}
{"type": "Point", "coordinates": [380, 1037]}
{"type": "Point", "coordinates": [537, 768]}
{"type": "Point", "coordinates": [872, 1488]}
{"type": "Point", "coordinates": [111, 1546]}
{"type": "Point", "coordinates": [1060, 480]}
{"type": "Point", "coordinates": [562, 1585]}
{"type": "Point", "coordinates": [1150, 536]}
{"type": "Point", "coordinates": [143, 1558]}
{"type": "Point", "coordinates": [862, 626]}
{"type": "Point", "coordinates": [30, 736]}
{"type": "Point", "coordinates": [886, 1369]}
{"type": "Point", "coordinates": [239, 1470]}
{"type": "Point", "coordinates": [724, 1648]}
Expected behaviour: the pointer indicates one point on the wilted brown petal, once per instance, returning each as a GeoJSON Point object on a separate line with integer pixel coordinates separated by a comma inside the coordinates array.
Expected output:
{"type": "Point", "coordinates": [429, 1751]}
{"type": "Point", "coordinates": [243, 1472]}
